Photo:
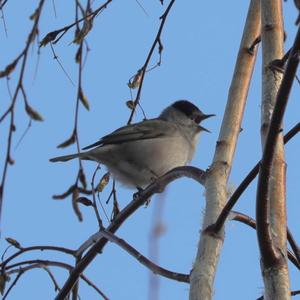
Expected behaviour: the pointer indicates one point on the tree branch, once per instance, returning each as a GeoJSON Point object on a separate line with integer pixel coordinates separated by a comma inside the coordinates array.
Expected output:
{"type": "Point", "coordinates": [34, 248]}
{"type": "Point", "coordinates": [19, 87]}
{"type": "Point", "coordinates": [13, 284]}
{"type": "Point", "coordinates": [40, 264]}
{"type": "Point", "coordinates": [145, 261]}
{"type": "Point", "coordinates": [240, 217]}
{"type": "Point", "coordinates": [269, 253]}
{"type": "Point", "coordinates": [142, 71]}
{"type": "Point", "coordinates": [217, 226]}
{"type": "Point", "coordinates": [52, 36]}
{"type": "Point", "coordinates": [209, 248]}
{"type": "Point", "coordinates": [138, 200]}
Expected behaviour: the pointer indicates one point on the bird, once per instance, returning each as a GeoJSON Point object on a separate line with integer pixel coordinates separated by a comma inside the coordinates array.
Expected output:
{"type": "Point", "coordinates": [139, 153]}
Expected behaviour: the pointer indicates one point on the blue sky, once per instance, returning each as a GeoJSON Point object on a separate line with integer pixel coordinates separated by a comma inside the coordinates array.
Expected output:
{"type": "Point", "coordinates": [200, 41]}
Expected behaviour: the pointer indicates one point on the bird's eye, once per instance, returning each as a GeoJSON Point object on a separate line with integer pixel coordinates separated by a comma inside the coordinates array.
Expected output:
{"type": "Point", "coordinates": [197, 119]}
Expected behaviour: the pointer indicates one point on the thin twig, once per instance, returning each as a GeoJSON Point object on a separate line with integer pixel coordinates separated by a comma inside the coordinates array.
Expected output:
{"type": "Point", "coordinates": [157, 41]}
{"type": "Point", "coordinates": [293, 293]}
{"type": "Point", "coordinates": [3, 3]}
{"type": "Point", "coordinates": [56, 35]}
{"type": "Point", "coordinates": [143, 260]}
{"type": "Point", "coordinates": [23, 55]}
{"type": "Point", "coordinates": [54, 8]}
{"type": "Point", "coordinates": [293, 245]}
{"type": "Point", "coordinates": [60, 64]}
{"type": "Point", "coordinates": [100, 223]}
{"type": "Point", "coordinates": [23, 134]}
{"type": "Point", "coordinates": [90, 283]}
{"type": "Point", "coordinates": [13, 284]}
{"type": "Point", "coordinates": [40, 264]}
{"type": "Point", "coordinates": [142, 8]}
{"type": "Point", "coordinates": [3, 21]}
{"type": "Point", "coordinates": [37, 248]}
{"type": "Point", "coordinates": [56, 286]}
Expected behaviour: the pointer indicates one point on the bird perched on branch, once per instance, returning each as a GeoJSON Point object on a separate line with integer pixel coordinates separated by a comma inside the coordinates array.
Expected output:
{"type": "Point", "coordinates": [137, 154]}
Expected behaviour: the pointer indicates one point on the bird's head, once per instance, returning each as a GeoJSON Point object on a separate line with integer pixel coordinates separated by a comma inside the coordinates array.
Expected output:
{"type": "Point", "coordinates": [185, 112]}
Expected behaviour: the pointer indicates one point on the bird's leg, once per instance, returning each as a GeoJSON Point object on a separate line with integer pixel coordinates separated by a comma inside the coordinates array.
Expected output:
{"type": "Point", "coordinates": [137, 194]}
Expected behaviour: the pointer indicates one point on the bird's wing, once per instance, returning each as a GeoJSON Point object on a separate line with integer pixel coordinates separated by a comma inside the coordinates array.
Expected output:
{"type": "Point", "coordinates": [149, 129]}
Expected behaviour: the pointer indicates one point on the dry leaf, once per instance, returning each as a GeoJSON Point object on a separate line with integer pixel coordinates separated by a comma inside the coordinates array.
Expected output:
{"type": "Point", "coordinates": [82, 178]}
{"type": "Point", "coordinates": [78, 55]}
{"type": "Point", "coordinates": [10, 160]}
{"type": "Point", "coordinates": [76, 209]}
{"type": "Point", "coordinates": [9, 68]}
{"type": "Point", "coordinates": [81, 34]}
{"type": "Point", "coordinates": [33, 34]}
{"type": "Point", "coordinates": [33, 114]}
{"type": "Point", "coordinates": [34, 15]}
{"type": "Point", "coordinates": [103, 182]}
{"type": "Point", "coordinates": [13, 242]}
{"type": "Point", "coordinates": [135, 82]}
{"type": "Point", "coordinates": [84, 100]}
{"type": "Point", "coordinates": [3, 279]}
{"type": "Point", "coordinates": [71, 140]}
{"type": "Point", "coordinates": [65, 194]}
{"type": "Point", "coordinates": [130, 104]}
{"type": "Point", "coordinates": [85, 201]}
{"type": "Point", "coordinates": [51, 36]}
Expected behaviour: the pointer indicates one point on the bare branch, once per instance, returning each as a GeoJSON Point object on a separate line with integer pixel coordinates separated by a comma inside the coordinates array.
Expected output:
{"type": "Point", "coordinates": [237, 216]}
{"type": "Point", "coordinates": [143, 260]}
{"type": "Point", "coordinates": [294, 245]}
{"type": "Point", "coordinates": [13, 284]}
{"type": "Point", "coordinates": [52, 36]}
{"type": "Point", "coordinates": [37, 248]}
{"type": "Point", "coordinates": [89, 242]}
{"type": "Point", "coordinates": [142, 71]}
{"type": "Point", "coordinates": [3, 3]}
{"type": "Point", "coordinates": [90, 283]}
{"type": "Point", "coordinates": [24, 54]}
{"type": "Point", "coordinates": [56, 286]}
{"type": "Point", "coordinates": [269, 253]}
{"type": "Point", "coordinates": [100, 223]}
{"type": "Point", "coordinates": [293, 293]}
{"type": "Point", "coordinates": [217, 226]}
{"type": "Point", "coordinates": [40, 264]}
{"type": "Point", "coordinates": [209, 248]}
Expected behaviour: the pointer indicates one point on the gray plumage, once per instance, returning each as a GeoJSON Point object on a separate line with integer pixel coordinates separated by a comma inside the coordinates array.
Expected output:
{"type": "Point", "coordinates": [138, 153]}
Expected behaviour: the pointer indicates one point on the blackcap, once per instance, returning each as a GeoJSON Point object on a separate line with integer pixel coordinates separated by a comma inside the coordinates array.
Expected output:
{"type": "Point", "coordinates": [137, 154]}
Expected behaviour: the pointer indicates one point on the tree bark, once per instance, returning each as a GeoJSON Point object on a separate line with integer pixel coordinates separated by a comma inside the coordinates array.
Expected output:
{"type": "Point", "coordinates": [204, 269]}
{"type": "Point", "coordinates": [276, 278]}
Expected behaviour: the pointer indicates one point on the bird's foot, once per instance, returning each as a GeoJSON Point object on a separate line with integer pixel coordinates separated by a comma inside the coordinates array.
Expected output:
{"type": "Point", "coordinates": [136, 195]}
{"type": "Point", "coordinates": [147, 202]}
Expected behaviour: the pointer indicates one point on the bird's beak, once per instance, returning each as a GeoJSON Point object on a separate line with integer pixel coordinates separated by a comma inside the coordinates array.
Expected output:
{"type": "Point", "coordinates": [203, 117]}
{"type": "Point", "coordinates": [201, 128]}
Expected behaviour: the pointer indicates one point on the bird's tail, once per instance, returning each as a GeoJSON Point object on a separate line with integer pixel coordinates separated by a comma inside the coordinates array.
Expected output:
{"type": "Point", "coordinates": [64, 157]}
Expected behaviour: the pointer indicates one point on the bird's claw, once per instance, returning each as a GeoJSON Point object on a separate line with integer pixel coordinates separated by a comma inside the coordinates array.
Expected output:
{"type": "Point", "coordinates": [136, 195]}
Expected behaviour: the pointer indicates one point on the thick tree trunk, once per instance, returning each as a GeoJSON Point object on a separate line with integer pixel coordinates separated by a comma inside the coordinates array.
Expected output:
{"type": "Point", "coordinates": [204, 269]}
{"type": "Point", "coordinates": [276, 278]}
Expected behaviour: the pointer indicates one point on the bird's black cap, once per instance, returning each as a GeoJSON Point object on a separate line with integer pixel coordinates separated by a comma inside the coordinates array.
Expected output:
{"type": "Point", "coordinates": [186, 107]}
{"type": "Point", "coordinates": [191, 111]}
